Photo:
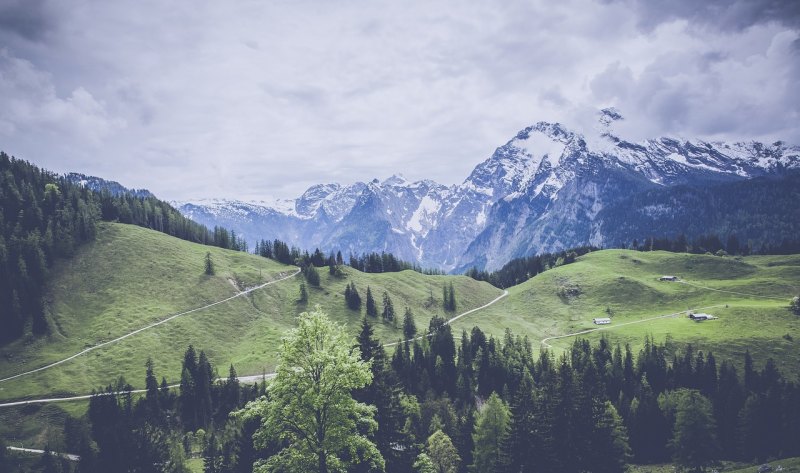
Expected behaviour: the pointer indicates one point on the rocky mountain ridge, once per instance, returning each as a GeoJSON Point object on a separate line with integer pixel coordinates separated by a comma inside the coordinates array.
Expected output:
{"type": "Point", "coordinates": [541, 191]}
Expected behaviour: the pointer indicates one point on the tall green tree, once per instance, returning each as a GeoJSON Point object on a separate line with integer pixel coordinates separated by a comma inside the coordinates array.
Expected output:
{"type": "Point", "coordinates": [209, 264]}
{"type": "Point", "coordinates": [409, 326]}
{"type": "Point", "coordinates": [694, 439]}
{"type": "Point", "coordinates": [442, 453]}
{"type": "Point", "coordinates": [309, 409]}
{"type": "Point", "coordinates": [312, 275]}
{"type": "Point", "coordinates": [388, 307]}
{"type": "Point", "coordinates": [490, 429]}
{"type": "Point", "coordinates": [372, 309]}
{"type": "Point", "coordinates": [609, 450]}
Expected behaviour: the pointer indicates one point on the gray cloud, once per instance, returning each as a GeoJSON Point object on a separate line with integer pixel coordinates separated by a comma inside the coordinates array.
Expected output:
{"type": "Point", "coordinates": [727, 15]}
{"type": "Point", "coordinates": [250, 99]}
{"type": "Point", "coordinates": [29, 19]}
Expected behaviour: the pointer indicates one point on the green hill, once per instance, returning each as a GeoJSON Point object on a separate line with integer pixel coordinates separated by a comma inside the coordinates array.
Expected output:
{"type": "Point", "coordinates": [130, 277]}
{"type": "Point", "coordinates": [625, 285]}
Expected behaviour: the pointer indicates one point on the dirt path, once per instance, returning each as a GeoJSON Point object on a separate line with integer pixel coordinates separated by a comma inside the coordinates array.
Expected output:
{"type": "Point", "coordinates": [610, 327]}
{"type": "Point", "coordinates": [544, 341]}
{"type": "Point", "coordinates": [448, 322]}
{"type": "Point", "coordinates": [242, 379]}
{"type": "Point", "coordinates": [731, 292]}
{"type": "Point", "coordinates": [68, 456]}
{"type": "Point", "coordinates": [156, 324]}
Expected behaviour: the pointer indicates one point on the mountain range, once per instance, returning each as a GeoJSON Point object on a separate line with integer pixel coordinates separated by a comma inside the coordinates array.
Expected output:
{"type": "Point", "coordinates": [546, 189]}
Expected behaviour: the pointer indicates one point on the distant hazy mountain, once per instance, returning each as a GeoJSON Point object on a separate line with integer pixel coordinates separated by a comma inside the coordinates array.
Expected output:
{"type": "Point", "coordinates": [546, 189]}
{"type": "Point", "coordinates": [99, 184]}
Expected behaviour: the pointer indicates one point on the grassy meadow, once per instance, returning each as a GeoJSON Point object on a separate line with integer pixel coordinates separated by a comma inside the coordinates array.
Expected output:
{"type": "Point", "coordinates": [624, 285]}
{"type": "Point", "coordinates": [131, 277]}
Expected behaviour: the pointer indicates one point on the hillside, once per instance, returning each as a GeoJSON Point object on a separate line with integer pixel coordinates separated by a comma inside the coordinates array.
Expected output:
{"type": "Point", "coordinates": [130, 277]}
{"type": "Point", "coordinates": [565, 299]}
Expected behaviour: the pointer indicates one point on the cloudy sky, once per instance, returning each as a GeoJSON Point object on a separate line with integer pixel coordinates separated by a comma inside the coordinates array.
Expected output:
{"type": "Point", "coordinates": [246, 99]}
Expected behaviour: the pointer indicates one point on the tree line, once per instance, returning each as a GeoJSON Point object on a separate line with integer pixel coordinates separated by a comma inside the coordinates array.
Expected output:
{"type": "Point", "coordinates": [713, 244]}
{"type": "Point", "coordinates": [520, 270]}
{"type": "Point", "coordinates": [762, 212]}
{"type": "Point", "coordinates": [482, 404]}
{"type": "Point", "coordinates": [473, 404]}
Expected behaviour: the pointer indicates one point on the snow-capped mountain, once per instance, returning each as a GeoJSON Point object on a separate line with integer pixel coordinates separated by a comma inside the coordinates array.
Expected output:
{"type": "Point", "coordinates": [544, 190]}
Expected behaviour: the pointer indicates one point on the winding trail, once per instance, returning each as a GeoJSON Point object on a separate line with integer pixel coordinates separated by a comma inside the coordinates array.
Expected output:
{"type": "Point", "coordinates": [448, 322]}
{"type": "Point", "coordinates": [242, 379]}
{"type": "Point", "coordinates": [544, 341]}
{"type": "Point", "coordinates": [156, 324]}
{"type": "Point", "coordinates": [681, 281]}
{"type": "Point", "coordinates": [68, 456]}
{"type": "Point", "coordinates": [609, 327]}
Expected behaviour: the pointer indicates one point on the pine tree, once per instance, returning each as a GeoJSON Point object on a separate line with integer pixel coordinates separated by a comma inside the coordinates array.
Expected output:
{"type": "Point", "coordinates": [409, 327]}
{"type": "Point", "coordinates": [152, 396]}
{"type": "Point", "coordinates": [609, 441]}
{"type": "Point", "coordinates": [383, 393]}
{"type": "Point", "coordinates": [303, 293]}
{"type": "Point", "coordinates": [694, 440]}
{"type": "Point", "coordinates": [491, 427]}
{"type": "Point", "coordinates": [518, 451]}
{"type": "Point", "coordinates": [388, 307]}
{"type": "Point", "coordinates": [209, 264]}
{"type": "Point", "coordinates": [449, 297]}
{"type": "Point", "coordinates": [372, 309]}
{"type": "Point", "coordinates": [312, 275]}
{"type": "Point", "coordinates": [442, 453]}
{"type": "Point", "coordinates": [351, 296]}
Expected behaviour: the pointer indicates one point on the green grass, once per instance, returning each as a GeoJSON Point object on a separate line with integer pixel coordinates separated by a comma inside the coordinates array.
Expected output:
{"type": "Point", "coordinates": [565, 299]}
{"type": "Point", "coordinates": [34, 426]}
{"type": "Point", "coordinates": [130, 277]}
{"type": "Point", "coordinates": [790, 465]}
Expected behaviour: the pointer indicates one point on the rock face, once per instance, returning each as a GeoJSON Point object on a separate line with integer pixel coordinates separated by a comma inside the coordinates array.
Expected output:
{"type": "Point", "coordinates": [546, 189]}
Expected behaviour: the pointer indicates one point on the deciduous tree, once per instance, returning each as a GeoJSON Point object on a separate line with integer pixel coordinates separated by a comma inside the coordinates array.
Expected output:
{"type": "Point", "coordinates": [309, 409]}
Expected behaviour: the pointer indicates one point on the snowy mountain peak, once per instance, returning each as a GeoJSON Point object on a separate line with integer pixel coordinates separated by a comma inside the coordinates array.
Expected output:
{"type": "Point", "coordinates": [395, 180]}
{"type": "Point", "coordinates": [609, 115]}
{"type": "Point", "coordinates": [546, 189]}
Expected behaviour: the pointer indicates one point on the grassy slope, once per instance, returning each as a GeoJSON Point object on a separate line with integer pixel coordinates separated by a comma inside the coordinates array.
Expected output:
{"type": "Point", "coordinates": [131, 276]}
{"type": "Point", "coordinates": [627, 283]}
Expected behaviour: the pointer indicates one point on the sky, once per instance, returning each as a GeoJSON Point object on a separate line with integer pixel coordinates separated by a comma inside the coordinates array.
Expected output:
{"type": "Point", "coordinates": [256, 99]}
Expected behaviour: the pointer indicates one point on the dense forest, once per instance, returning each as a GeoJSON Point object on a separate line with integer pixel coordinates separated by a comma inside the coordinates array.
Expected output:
{"type": "Point", "coordinates": [44, 216]}
{"type": "Point", "coordinates": [472, 404]}
{"type": "Point", "coordinates": [367, 263]}
{"type": "Point", "coordinates": [520, 270]}
{"type": "Point", "coordinates": [762, 212]}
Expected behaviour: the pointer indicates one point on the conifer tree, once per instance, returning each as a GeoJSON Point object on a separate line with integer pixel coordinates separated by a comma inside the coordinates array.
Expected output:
{"type": "Point", "coordinates": [303, 293]}
{"type": "Point", "coordinates": [388, 307]}
{"type": "Point", "coordinates": [409, 326]}
{"type": "Point", "coordinates": [372, 309]}
{"type": "Point", "coordinates": [152, 396]}
{"type": "Point", "coordinates": [442, 453]}
{"type": "Point", "coordinates": [351, 296]}
{"type": "Point", "coordinates": [694, 440]}
{"type": "Point", "coordinates": [383, 393]}
{"type": "Point", "coordinates": [312, 275]}
{"type": "Point", "coordinates": [209, 264]}
{"type": "Point", "coordinates": [491, 427]}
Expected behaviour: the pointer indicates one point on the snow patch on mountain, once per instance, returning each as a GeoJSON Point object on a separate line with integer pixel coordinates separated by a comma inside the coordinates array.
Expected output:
{"type": "Point", "coordinates": [541, 191]}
